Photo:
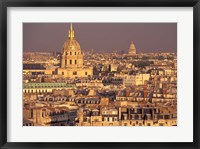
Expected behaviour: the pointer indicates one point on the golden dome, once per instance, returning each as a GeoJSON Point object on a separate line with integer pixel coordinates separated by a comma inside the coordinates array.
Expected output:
{"type": "Point", "coordinates": [71, 45]}
{"type": "Point", "coordinates": [72, 55]}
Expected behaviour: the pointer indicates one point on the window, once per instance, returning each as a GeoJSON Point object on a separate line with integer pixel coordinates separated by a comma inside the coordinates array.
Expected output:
{"type": "Point", "coordinates": [74, 53]}
{"type": "Point", "coordinates": [74, 61]}
{"type": "Point", "coordinates": [70, 53]}
{"type": "Point", "coordinates": [74, 73]}
{"type": "Point", "coordinates": [70, 61]}
{"type": "Point", "coordinates": [66, 53]}
{"type": "Point", "coordinates": [63, 73]}
{"type": "Point", "coordinates": [105, 119]}
{"type": "Point", "coordinates": [161, 124]}
{"type": "Point", "coordinates": [135, 110]}
{"type": "Point", "coordinates": [86, 73]}
{"type": "Point", "coordinates": [31, 113]}
{"type": "Point", "coordinates": [65, 62]}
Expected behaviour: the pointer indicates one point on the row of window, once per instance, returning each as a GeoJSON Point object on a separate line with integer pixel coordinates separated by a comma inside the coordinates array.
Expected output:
{"type": "Point", "coordinates": [36, 91]}
{"type": "Point", "coordinates": [75, 73]}
{"type": "Point", "coordinates": [71, 62]}
{"type": "Point", "coordinates": [27, 124]}
{"type": "Point", "coordinates": [71, 53]}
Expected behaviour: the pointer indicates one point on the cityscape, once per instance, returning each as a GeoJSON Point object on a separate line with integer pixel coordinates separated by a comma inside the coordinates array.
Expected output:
{"type": "Point", "coordinates": [76, 87]}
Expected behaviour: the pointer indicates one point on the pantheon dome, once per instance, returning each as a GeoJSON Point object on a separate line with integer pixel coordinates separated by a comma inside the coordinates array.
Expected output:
{"type": "Point", "coordinates": [72, 55]}
{"type": "Point", "coordinates": [132, 49]}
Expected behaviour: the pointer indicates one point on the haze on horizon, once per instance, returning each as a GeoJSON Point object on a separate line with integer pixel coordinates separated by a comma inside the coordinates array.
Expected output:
{"type": "Point", "coordinates": [105, 37]}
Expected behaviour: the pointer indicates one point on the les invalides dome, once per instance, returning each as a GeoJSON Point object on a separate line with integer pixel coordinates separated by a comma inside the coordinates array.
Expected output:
{"type": "Point", "coordinates": [72, 59]}
{"type": "Point", "coordinates": [72, 55]}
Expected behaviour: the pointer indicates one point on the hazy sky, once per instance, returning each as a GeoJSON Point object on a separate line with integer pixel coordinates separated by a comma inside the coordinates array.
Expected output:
{"type": "Point", "coordinates": [147, 37]}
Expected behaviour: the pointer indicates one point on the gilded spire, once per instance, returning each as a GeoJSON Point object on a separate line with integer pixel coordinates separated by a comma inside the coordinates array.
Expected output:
{"type": "Point", "coordinates": [71, 32]}
{"type": "Point", "coordinates": [71, 27]}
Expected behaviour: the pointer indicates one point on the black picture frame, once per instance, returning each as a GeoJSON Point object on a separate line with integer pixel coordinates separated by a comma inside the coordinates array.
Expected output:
{"type": "Point", "coordinates": [98, 3]}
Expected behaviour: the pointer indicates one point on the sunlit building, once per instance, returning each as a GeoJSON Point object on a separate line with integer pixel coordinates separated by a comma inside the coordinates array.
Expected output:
{"type": "Point", "coordinates": [132, 49]}
{"type": "Point", "coordinates": [72, 59]}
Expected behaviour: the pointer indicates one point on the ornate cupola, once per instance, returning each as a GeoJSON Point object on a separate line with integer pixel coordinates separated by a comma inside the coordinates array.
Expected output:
{"type": "Point", "coordinates": [72, 55]}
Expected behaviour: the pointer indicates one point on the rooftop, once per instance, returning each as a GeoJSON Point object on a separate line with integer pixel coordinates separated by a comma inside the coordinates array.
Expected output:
{"type": "Point", "coordinates": [48, 85]}
{"type": "Point", "coordinates": [33, 66]}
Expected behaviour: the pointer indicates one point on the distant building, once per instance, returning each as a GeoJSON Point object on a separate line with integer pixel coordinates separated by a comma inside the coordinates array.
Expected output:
{"type": "Point", "coordinates": [33, 69]}
{"type": "Point", "coordinates": [72, 59]}
{"type": "Point", "coordinates": [46, 87]}
{"type": "Point", "coordinates": [132, 49]}
{"type": "Point", "coordinates": [129, 80]}
{"type": "Point", "coordinates": [141, 78]}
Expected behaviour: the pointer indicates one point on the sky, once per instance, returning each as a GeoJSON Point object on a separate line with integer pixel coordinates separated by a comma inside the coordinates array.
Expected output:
{"type": "Point", "coordinates": [105, 37]}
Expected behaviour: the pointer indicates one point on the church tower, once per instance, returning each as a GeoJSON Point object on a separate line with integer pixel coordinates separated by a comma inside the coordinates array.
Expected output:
{"type": "Point", "coordinates": [132, 49]}
{"type": "Point", "coordinates": [72, 56]}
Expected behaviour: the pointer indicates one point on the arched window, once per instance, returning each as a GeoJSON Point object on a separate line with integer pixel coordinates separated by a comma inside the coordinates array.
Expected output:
{"type": "Point", "coordinates": [70, 53]}
{"type": "Point", "coordinates": [74, 61]}
{"type": "Point", "coordinates": [70, 61]}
